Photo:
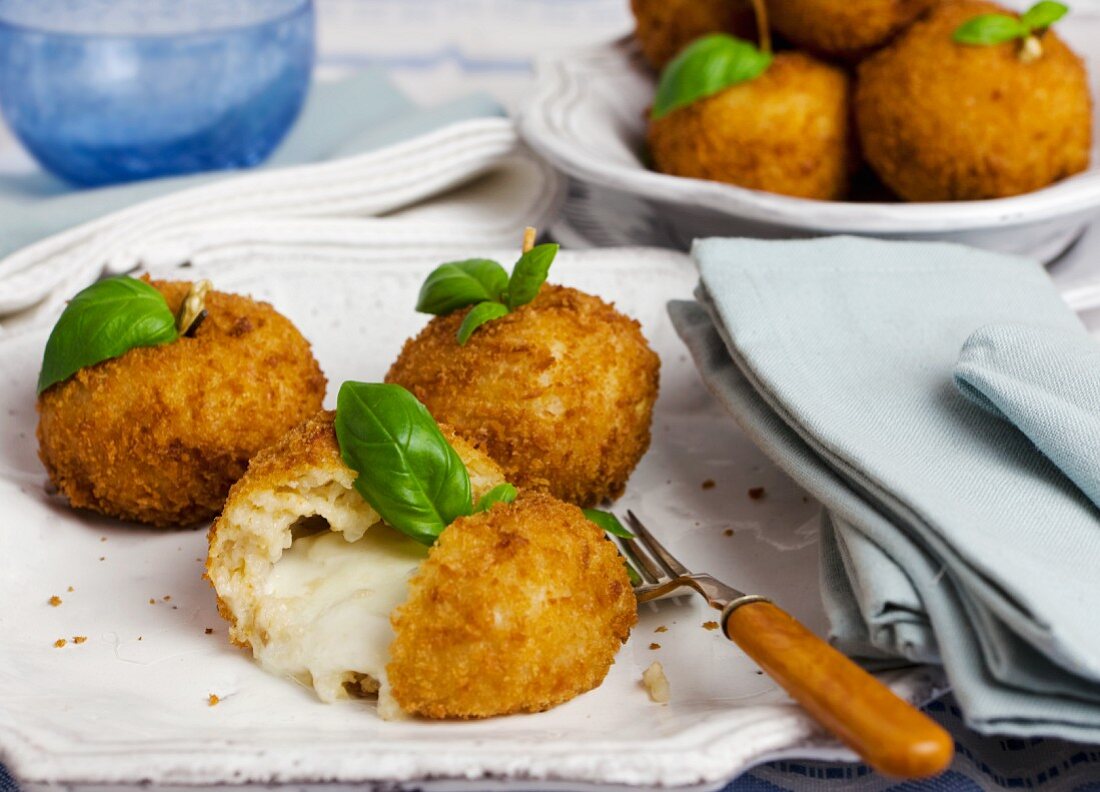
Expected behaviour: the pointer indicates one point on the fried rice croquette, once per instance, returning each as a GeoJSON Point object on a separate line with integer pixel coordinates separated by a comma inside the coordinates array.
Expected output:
{"type": "Point", "coordinates": [559, 392]}
{"type": "Point", "coordinates": [843, 29]}
{"type": "Point", "coordinates": [517, 609]}
{"type": "Point", "coordinates": [787, 132]}
{"type": "Point", "coordinates": [159, 434]}
{"type": "Point", "coordinates": [940, 120]}
{"type": "Point", "coordinates": [306, 572]}
{"type": "Point", "coordinates": [664, 27]}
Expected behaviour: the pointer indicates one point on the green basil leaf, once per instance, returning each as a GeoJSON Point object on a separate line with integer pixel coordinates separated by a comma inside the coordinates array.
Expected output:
{"type": "Point", "coordinates": [501, 493]}
{"type": "Point", "coordinates": [479, 315]}
{"type": "Point", "coordinates": [529, 274]}
{"type": "Point", "coordinates": [408, 472]}
{"type": "Point", "coordinates": [104, 321]}
{"type": "Point", "coordinates": [609, 522]}
{"type": "Point", "coordinates": [1043, 14]}
{"type": "Point", "coordinates": [989, 29]}
{"type": "Point", "coordinates": [705, 67]}
{"type": "Point", "coordinates": [460, 283]}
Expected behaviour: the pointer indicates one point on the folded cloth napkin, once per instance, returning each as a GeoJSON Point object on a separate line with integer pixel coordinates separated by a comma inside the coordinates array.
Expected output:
{"type": "Point", "coordinates": [1047, 383]}
{"type": "Point", "coordinates": [947, 536]}
{"type": "Point", "coordinates": [359, 151]}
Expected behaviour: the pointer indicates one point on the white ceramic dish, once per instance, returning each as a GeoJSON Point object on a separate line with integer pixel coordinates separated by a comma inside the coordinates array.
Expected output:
{"type": "Point", "coordinates": [587, 117]}
{"type": "Point", "coordinates": [130, 705]}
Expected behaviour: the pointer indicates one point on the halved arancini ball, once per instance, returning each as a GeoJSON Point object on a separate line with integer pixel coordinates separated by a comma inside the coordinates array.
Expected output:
{"type": "Point", "coordinates": [559, 392]}
{"type": "Point", "coordinates": [159, 434]}
{"type": "Point", "coordinates": [664, 27]}
{"type": "Point", "coordinates": [307, 573]}
{"type": "Point", "coordinates": [516, 609]}
{"type": "Point", "coordinates": [843, 29]}
{"type": "Point", "coordinates": [944, 121]}
{"type": "Point", "coordinates": [787, 131]}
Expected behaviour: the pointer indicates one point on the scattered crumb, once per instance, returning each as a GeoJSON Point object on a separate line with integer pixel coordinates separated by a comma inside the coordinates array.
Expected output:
{"type": "Point", "coordinates": [59, 643]}
{"type": "Point", "coordinates": [71, 588]}
{"type": "Point", "coordinates": [710, 625]}
{"type": "Point", "coordinates": [152, 601]}
{"type": "Point", "coordinates": [759, 672]}
{"type": "Point", "coordinates": [209, 630]}
{"type": "Point", "coordinates": [656, 683]}
{"type": "Point", "coordinates": [139, 637]}
{"type": "Point", "coordinates": [54, 600]}
{"type": "Point", "coordinates": [756, 493]}
{"type": "Point", "coordinates": [727, 532]}
{"type": "Point", "coordinates": [103, 538]}
{"type": "Point", "coordinates": [212, 701]}
{"type": "Point", "coordinates": [175, 607]}
{"type": "Point", "coordinates": [103, 558]}
{"type": "Point", "coordinates": [709, 484]}
{"type": "Point", "coordinates": [660, 629]}
{"type": "Point", "coordinates": [654, 646]}
{"type": "Point", "coordinates": [167, 597]}
{"type": "Point", "coordinates": [79, 639]}
{"type": "Point", "coordinates": [199, 560]}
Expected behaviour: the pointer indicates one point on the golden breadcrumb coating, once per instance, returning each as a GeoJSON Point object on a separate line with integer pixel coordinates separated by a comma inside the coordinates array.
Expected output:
{"type": "Point", "coordinates": [664, 27]}
{"type": "Point", "coordinates": [159, 434]}
{"type": "Point", "coordinates": [316, 629]}
{"type": "Point", "coordinates": [517, 609]}
{"type": "Point", "coordinates": [844, 29]}
{"type": "Point", "coordinates": [944, 121]}
{"type": "Point", "coordinates": [560, 392]}
{"type": "Point", "coordinates": [787, 131]}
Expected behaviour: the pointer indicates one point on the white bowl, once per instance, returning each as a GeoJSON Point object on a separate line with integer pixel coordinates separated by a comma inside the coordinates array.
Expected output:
{"type": "Point", "coordinates": [587, 117]}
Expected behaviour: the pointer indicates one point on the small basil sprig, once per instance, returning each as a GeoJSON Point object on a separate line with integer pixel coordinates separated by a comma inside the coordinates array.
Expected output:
{"type": "Point", "coordinates": [408, 472]}
{"type": "Point", "coordinates": [485, 285]}
{"type": "Point", "coordinates": [104, 321]}
{"type": "Point", "coordinates": [705, 67]}
{"type": "Point", "coordinates": [609, 522]}
{"type": "Point", "coordinates": [501, 493]}
{"type": "Point", "coordinates": [989, 29]}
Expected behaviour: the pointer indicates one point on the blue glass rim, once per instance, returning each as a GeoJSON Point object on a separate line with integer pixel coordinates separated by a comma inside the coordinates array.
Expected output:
{"type": "Point", "coordinates": [296, 8]}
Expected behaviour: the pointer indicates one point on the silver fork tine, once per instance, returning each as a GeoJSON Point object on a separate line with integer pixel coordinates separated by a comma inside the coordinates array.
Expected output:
{"type": "Point", "coordinates": [673, 567]}
{"type": "Point", "coordinates": [649, 571]}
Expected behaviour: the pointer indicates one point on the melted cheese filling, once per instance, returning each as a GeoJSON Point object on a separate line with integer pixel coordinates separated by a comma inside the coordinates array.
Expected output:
{"type": "Point", "coordinates": [326, 611]}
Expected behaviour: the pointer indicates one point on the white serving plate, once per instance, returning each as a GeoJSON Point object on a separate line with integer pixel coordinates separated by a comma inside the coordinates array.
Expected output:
{"type": "Point", "coordinates": [129, 706]}
{"type": "Point", "coordinates": [587, 117]}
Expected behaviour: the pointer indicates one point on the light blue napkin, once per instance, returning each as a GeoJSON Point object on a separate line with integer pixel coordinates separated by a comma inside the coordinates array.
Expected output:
{"type": "Point", "coordinates": [339, 119]}
{"type": "Point", "coordinates": [1047, 383]}
{"type": "Point", "coordinates": [947, 537]}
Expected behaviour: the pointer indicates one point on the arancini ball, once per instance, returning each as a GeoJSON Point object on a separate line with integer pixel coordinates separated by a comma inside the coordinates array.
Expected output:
{"type": "Point", "coordinates": [843, 29]}
{"type": "Point", "coordinates": [944, 121]}
{"type": "Point", "coordinates": [664, 27]}
{"type": "Point", "coordinates": [786, 131]}
{"type": "Point", "coordinates": [159, 434]}
{"type": "Point", "coordinates": [516, 609]}
{"type": "Point", "coordinates": [559, 392]}
{"type": "Point", "coordinates": [307, 573]}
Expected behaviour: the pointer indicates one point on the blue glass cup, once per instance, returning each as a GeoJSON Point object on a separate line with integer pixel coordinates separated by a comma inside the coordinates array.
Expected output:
{"type": "Point", "coordinates": [106, 91]}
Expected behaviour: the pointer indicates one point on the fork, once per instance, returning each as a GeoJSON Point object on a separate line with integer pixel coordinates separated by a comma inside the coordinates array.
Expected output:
{"type": "Point", "coordinates": [888, 733]}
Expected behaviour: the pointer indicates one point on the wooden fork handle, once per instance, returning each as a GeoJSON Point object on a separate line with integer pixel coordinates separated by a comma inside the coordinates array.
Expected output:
{"type": "Point", "coordinates": [889, 734]}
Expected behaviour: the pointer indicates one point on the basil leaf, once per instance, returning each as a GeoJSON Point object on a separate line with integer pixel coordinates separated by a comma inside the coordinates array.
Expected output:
{"type": "Point", "coordinates": [460, 283]}
{"type": "Point", "coordinates": [1043, 14]}
{"type": "Point", "coordinates": [704, 68]}
{"type": "Point", "coordinates": [408, 472]}
{"type": "Point", "coordinates": [479, 315]}
{"type": "Point", "coordinates": [609, 522]}
{"type": "Point", "coordinates": [529, 274]}
{"type": "Point", "coordinates": [989, 29]}
{"type": "Point", "coordinates": [501, 493]}
{"type": "Point", "coordinates": [104, 321]}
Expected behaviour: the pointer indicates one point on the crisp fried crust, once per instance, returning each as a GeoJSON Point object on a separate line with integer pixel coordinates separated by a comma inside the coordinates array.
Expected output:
{"type": "Point", "coordinates": [945, 121]}
{"type": "Point", "coordinates": [159, 434]}
{"type": "Point", "coordinates": [844, 29]}
{"type": "Point", "coordinates": [664, 27]}
{"type": "Point", "coordinates": [516, 610]}
{"type": "Point", "coordinates": [560, 392]}
{"type": "Point", "coordinates": [787, 131]}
